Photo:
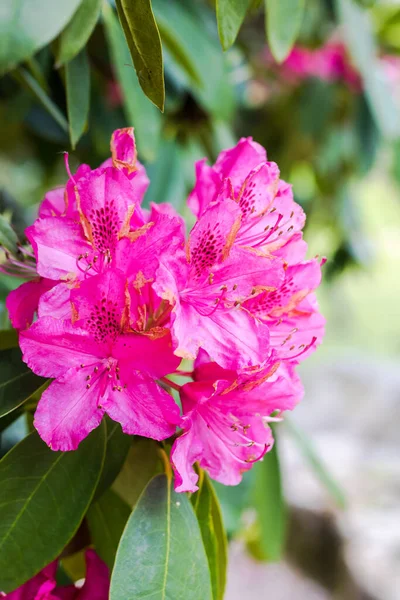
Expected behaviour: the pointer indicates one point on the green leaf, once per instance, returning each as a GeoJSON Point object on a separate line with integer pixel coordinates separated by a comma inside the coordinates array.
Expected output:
{"type": "Point", "coordinates": [139, 112]}
{"type": "Point", "coordinates": [106, 519]}
{"type": "Point", "coordinates": [142, 463]}
{"type": "Point", "coordinates": [143, 38]}
{"type": "Point", "coordinates": [283, 22]}
{"type": "Point", "coordinates": [118, 445]}
{"type": "Point", "coordinates": [310, 454]}
{"type": "Point", "coordinates": [17, 382]}
{"type": "Point", "coordinates": [8, 237]}
{"type": "Point", "coordinates": [216, 93]}
{"type": "Point", "coordinates": [43, 498]}
{"type": "Point", "coordinates": [28, 25]}
{"type": "Point", "coordinates": [364, 52]}
{"type": "Point", "coordinates": [270, 506]}
{"type": "Point", "coordinates": [74, 37]}
{"type": "Point", "coordinates": [77, 78]}
{"type": "Point", "coordinates": [230, 16]}
{"type": "Point", "coordinates": [26, 80]}
{"type": "Point", "coordinates": [161, 554]}
{"type": "Point", "coordinates": [208, 512]}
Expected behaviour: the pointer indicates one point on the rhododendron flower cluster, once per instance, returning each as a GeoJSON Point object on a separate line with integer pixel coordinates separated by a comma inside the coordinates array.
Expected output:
{"type": "Point", "coordinates": [119, 295]}
{"type": "Point", "coordinates": [44, 586]}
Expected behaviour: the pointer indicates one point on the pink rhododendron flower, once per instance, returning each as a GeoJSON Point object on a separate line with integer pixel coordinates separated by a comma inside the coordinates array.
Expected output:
{"type": "Point", "coordinates": [99, 366]}
{"type": "Point", "coordinates": [122, 294]}
{"type": "Point", "coordinates": [44, 586]}
{"type": "Point", "coordinates": [225, 421]}
{"type": "Point", "coordinates": [330, 62]}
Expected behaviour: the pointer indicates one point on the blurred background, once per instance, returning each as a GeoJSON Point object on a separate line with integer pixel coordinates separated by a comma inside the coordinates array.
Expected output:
{"type": "Point", "coordinates": [322, 520]}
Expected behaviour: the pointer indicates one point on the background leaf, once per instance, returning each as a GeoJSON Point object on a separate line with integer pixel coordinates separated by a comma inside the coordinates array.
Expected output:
{"type": "Point", "coordinates": [139, 112]}
{"type": "Point", "coordinates": [204, 52]}
{"type": "Point", "coordinates": [78, 30]}
{"type": "Point", "coordinates": [364, 52]}
{"type": "Point", "coordinates": [230, 16]}
{"type": "Point", "coordinates": [143, 38]}
{"type": "Point", "coordinates": [270, 506]}
{"type": "Point", "coordinates": [28, 25]}
{"type": "Point", "coordinates": [312, 457]}
{"type": "Point", "coordinates": [208, 512]}
{"type": "Point", "coordinates": [161, 554]}
{"type": "Point", "coordinates": [77, 78]}
{"type": "Point", "coordinates": [8, 237]}
{"type": "Point", "coordinates": [43, 498]}
{"type": "Point", "coordinates": [17, 382]}
{"type": "Point", "coordinates": [106, 519]}
{"type": "Point", "coordinates": [283, 22]}
{"type": "Point", "coordinates": [142, 463]}
{"type": "Point", "coordinates": [30, 83]}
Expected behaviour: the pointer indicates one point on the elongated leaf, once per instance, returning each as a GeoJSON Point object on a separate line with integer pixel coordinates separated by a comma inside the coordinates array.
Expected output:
{"type": "Point", "coordinates": [230, 16]}
{"type": "Point", "coordinates": [26, 79]}
{"type": "Point", "coordinates": [8, 237]}
{"type": "Point", "coordinates": [78, 30]}
{"type": "Point", "coordinates": [161, 554]}
{"type": "Point", "coordinates": [17, 382]}
{"type": "Point", "coordinates": [316, 463]}
{"type": "Point", "coordinates": [107, 518]}
{"type": "Point", "coordinates": [118, 445]}
{"type": "Point", "coordinates": [178, 53]}
{"type": "Point", "coordinates": [77, 76]}
{"type": "Point", "coordinates": [208, 512]}
{"type": "Point", "coordinates": [270, 506]}
{"type": "Point", "coordinates": [364, 52]}
{"type": "Point", "coordinates": [143, 38]}
{"type": "Point", "coordinates": [204, 52]}
{"type": "Point", "coordinates": [142, 463]}
{"type": "Point", "coordinates": [28, 25]}
{"type": "Point", "coordinates": [283, 22]}
{"type": "Point", "coordinates": [43, 498]}
{"type": "Point", "coordinates": [139, 111]}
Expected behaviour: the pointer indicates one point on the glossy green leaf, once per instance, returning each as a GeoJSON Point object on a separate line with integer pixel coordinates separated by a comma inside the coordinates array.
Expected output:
{"type": "Point", "coordinates": [74, 37]}
{"type": "Point", "coordinates": [143, 38]}
{"type": "Point", "coordinates": [17, 382]}
{"type": "Point", "coordinates": [140, 113]}
{"type": "Point", "coordinates": [161, 555]}
{"type": "Point", "coordinates": [8, 237]}
{"type": "Point", "coordinates": [43, 498]}
{"type": "Point", "coordinates": [208, 512]}
{"type": "Point", "coordinates": [216, 92]}
{"type": "Point", "coordinates": [142, 463]}
{"type": "Point", "coordinates": [106, 519]}
{"type": "Point", "coordinates": [230, 16]}
{"type": "Point", "coordinates": [30, 83]}
{"type": "Point", "coordinates": [77, 78]}
{"type": "Point", "coordinates": [283, 22]}
{"type": "Point", "coordinates": [364, 53]}
{"type": "Point", "coordinates": [28, 25]}
{"type": "Point", "coordinates": [320, 470]}
{"type": "Point", "coordinates": [118, 444]}
{"type": "Point", "coordinates": [270, 505]}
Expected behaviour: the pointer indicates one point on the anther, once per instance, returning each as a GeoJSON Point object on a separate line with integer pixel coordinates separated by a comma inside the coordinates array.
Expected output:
{"type": "Point", "coordinates": [88, 386]}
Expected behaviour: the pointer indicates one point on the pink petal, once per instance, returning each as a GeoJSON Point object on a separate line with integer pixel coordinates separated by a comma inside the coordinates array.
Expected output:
{"type": "Point", "coordinates": [213, 235]}
{"type": "Point", "coordinates": [69, 409]}
{"type": "Point", "coordinates": [22, 303]}
{"type": "Point", "coordinates": [97, 580]}
{"type": "Point", "coordinates": [57, 242]}
{"type": "Point", "coordinates": [237, 162]}
{"type": "Point", "coordinates": [50, 347]}
{"type": "Point", "coordinates": [206, 189]}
